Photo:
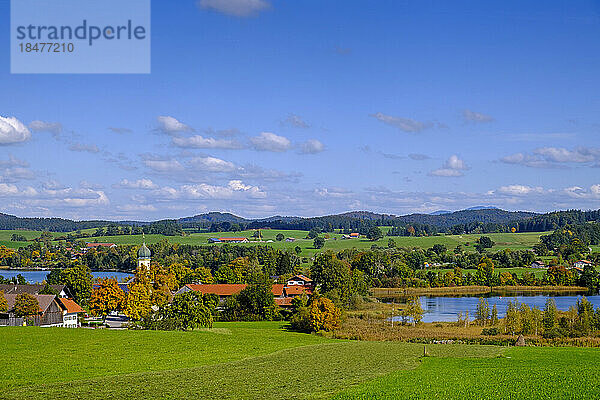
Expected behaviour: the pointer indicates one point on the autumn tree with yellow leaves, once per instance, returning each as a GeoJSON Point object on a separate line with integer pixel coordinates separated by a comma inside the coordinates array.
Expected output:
{"type": "Point", "coordinates": [107, 297]}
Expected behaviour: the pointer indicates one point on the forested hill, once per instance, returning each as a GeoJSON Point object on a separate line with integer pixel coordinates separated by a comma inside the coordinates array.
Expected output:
{"type": "Point", "coordinates": [484, 216]}
{"type": "Point", "coordinates": [47, 224]}
{"type": "Point", "coordinates": [465, 221]}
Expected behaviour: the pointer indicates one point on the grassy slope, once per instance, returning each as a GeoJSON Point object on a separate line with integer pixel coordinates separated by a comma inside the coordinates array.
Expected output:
{"type": "Point", "coordinates": [503, 240]}
{"type": "Point", "coordinates": [33, 355]}
{"type": "Point", "coordinates": [523, 373]}
{"type": "Point", "coordinates": [5, 237]}
{"type": "Point", "coordinates": [260, 360]}
{"type": "Point", "coordinates": [306, 371]}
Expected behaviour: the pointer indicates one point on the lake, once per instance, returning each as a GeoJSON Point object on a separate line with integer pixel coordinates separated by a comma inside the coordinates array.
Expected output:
{"type": "Point", "coordinates": [445, 309]}
{"type": "Point", "coordinates": [38, 276]}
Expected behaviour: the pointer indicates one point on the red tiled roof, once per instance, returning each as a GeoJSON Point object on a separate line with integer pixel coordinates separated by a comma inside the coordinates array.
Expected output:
{"type": "Point", "coordinates": [70, 305]}
{"type": "Point", "coordinates": [302, 277]}
{"type": "Point", "coordinates": [354, 234]}
{"type": "Point", "coordinates": [100, 244]}
{"type": "Point", "coordinates": [222, 289]}
{"type": "Point", "coordinates": [282, 302]}
{"type": "Point", "coordinates": [277, 289]}
{"type": "Point", "coordinates": [295, 290]}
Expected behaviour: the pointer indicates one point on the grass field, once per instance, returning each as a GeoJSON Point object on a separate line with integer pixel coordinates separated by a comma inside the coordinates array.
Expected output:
{"type": "Point", "coordinates": [6, 235]}
{"type": "Point", "coordinates": [262, 360]}
{"type": "Point", "coordinates": [335, 242]}
{"type": "Point", "coordinates": [521, 373]}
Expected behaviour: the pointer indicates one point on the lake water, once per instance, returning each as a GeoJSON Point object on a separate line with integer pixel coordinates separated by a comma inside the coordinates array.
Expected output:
{"type": "Point", "coordinates": [446, 309]}
{"type": "Point", "coordinates": [38, 276]}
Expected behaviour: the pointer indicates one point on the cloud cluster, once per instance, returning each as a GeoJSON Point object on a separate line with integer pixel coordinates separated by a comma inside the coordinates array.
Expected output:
{"type": "Point", "coordinates": [55, 128]}
{"type": "Point", "coordinates": [13, 131]}
{"type": "Point", "coordinates": [453, 167]}
{"type": "Point", "coordinates": [268, 141]}
{"type": "Point", "coordinates": [171, 126]}
{"type": "Point", "coordinates": [472, 116]}
{"type": "Point", "coordinates": [236, 8]}
{"type": "Point", "coordinates": [200, 142]}
{"type": "Point", "coordinates": [404, 124]}
{"type": "Point", "coordinates": [555, 157]}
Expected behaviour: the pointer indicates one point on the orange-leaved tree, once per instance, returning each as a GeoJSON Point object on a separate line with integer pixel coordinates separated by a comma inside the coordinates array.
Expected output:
{"type": "Point", "coordinates": [107, 297]}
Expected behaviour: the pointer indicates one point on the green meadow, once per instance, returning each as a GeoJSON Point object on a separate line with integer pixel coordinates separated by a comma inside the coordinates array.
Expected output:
{"type": "Point", "coordinates": [263, 360]}
{"type": "Point", "coordinates": [335, 242]}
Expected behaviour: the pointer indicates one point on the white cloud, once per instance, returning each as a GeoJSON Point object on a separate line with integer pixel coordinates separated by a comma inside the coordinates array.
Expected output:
{"type": "Point", "coordinates": [311, 146]}
{"type": "Point", "coordinates": [200, 142]}
{"type": "Point", "coordinates": [9, 190]}
{"type": "Point", "coordinates": [234, 189]}
{"type": "Point", "coordinates": [164, 165]}
{"type": "Point", "coordinates": [453, 167]}
{"type": "Point", "coordinates": [144, 183]}
{"type": "Point", "coordinates": [554, 157]}
{"type": "Point", "coordinates": [137, 208]}
{"type": "Point", "coordinates": [595, 190]}
{"type": "Point", "coordinates": [404, 124]}
{"type": "Point", "coordinates": [520, 190]}
{"type": "Point", "coordinates": [170, 125]}
{"type": "Point", "coordinates": [212, 164]}
{"type": "Point", "coordinates": [295, 121]}
{"type": "Point", "coordinates": [55, 128]}
{"type": "Point", "coordinates": [13, 131]}
{"type": "Point", "coordinates": [87, 148]}
{"type": "Point", "coordinates": [268, 141]}
{"type": "Point", "coordinates": [236, 8]}
{"type": "Point", "coordinates": [472, 116]}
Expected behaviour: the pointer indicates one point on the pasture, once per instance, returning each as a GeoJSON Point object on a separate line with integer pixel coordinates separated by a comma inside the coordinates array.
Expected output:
{"type": "Point", "coordinates": [334, 241]}
{"type": "Point", "coordinates": [263, 360]}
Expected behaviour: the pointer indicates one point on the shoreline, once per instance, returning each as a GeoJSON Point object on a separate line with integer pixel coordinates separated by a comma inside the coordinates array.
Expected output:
{"type": "Point", "coordinates": [476, 290]}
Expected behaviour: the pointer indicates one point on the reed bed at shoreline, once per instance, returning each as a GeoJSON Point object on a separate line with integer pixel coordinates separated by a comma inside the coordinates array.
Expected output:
{"type": "Point", "coordinates": [474, 290]}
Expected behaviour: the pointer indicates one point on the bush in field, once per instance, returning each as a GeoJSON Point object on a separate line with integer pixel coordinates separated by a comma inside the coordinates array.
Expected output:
{"type": "Point", "coordinates": [324, 315]}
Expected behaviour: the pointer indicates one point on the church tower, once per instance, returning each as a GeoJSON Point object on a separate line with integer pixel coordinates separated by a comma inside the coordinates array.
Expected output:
{"type": "Point", "coordinates": [144, 257]}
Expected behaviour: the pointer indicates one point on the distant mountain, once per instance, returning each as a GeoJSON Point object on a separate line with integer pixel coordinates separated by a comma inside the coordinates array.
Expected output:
{"type": "Point", "coordinates": [440, 212]}
{"type": "Point", "coordinates": [354, 221]}
{"type": "Point", "coordinates": [482, 208]}
{"type": "Point", "coordinates": [213, 217]}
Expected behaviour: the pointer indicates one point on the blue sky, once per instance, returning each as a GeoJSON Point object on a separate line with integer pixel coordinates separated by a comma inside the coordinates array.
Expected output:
{"type": "Point", "coordinates": [264, 107]}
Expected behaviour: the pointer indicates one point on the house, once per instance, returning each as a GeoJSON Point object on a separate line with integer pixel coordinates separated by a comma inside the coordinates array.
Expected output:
{"type": "Point", "coordinates": [226, 290]}
{"type": "Point", "coordinates": [284, 302]}
{"type": "Point", "coordinates": [223, 290]}
{"type": "Point", "coordinates": [71, 311]}
{"type": "Point", "coordinates": [290, 239]}
{"type": "Point", "coordinates": [100, 245]}
{"type": "Point", "coordinates": [233, 240]}
{"type": "Point", "coordinates": [214, 240]}
{"type": "Point", "coordinates": [354, 235]}
{"type": "Point", "coordinates": [299, 280]}
{"type": "Point", "coordinates": [50, 313]}
{"type": "Point", "coordinates": [538, 264]}
{"type": "Point", "coordinates": [297, 290]}
{"type": "Point", "coordinates": [60, 290]}
{"type": "Point", "coordinates": [582, 264]}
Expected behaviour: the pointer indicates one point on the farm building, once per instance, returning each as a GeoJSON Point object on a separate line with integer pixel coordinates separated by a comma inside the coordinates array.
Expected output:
{"type": "Point", "coordinates": [581, 264]}
{"type": "Point", "coordinates": [100, 245]}
{"type": "Point", "coordinates": [224, 291]}
{"type": "Point", "coordinates": [54, 311]}
{"type": "Point", "coordinates": [59, 290]}
{"type": "Point", "coordinates": [538, 264]}
{"type": "Point", "coordinates": [228, 240]}
{"type": "Point", "coordinates": [71, 311]}
{"type": "Point", "coordinates": [299, 280]}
